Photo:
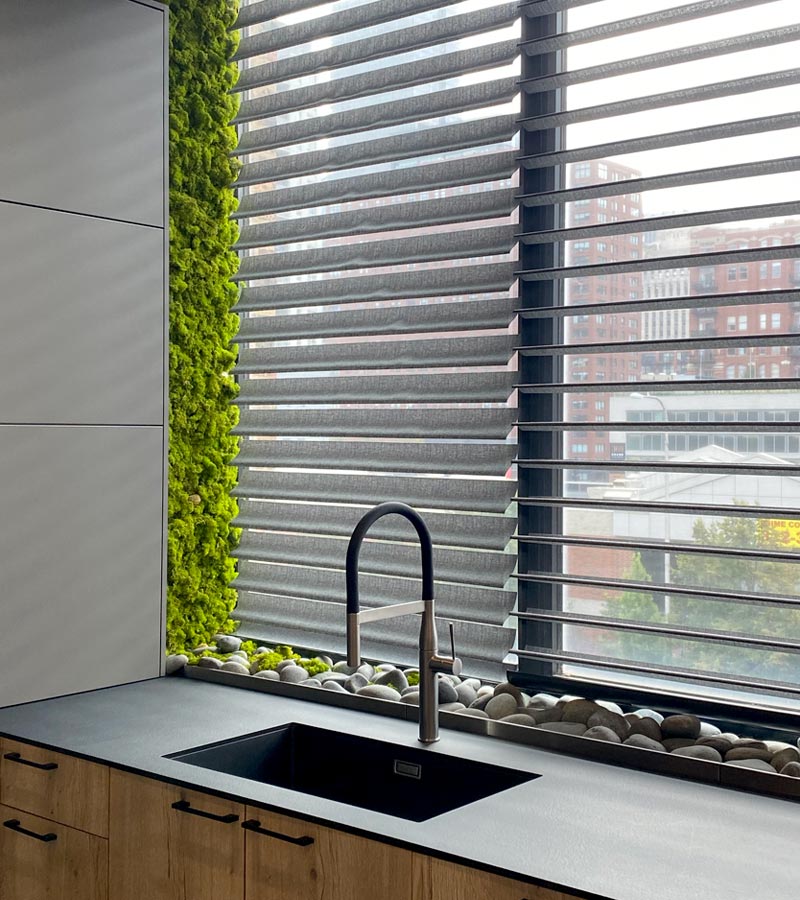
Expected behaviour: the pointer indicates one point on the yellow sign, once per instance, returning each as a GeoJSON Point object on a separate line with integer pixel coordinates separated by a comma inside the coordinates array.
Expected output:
{"type": "Point", "coordinates": [785, 531]}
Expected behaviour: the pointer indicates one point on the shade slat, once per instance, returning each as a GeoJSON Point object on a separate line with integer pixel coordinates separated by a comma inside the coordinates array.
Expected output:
{"type": "Point", "coordinates": [485, 496]}
{"type": "Point", "coordinates": [469, 531]}
{"type": "Point", "coordinates": [441, 282]}
{"type": "Point", "coordinates": [486, 351]}
{"type": "Point", "coordinates": [463, 244]}
{"type": "Point", "coordinates": [439, 424]}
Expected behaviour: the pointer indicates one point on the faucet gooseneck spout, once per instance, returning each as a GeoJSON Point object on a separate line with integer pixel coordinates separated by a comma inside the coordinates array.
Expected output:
{"type": "Point", "coordinates": [430, 663]}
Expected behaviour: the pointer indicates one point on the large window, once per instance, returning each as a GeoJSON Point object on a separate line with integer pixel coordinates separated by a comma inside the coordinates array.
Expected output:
{"type": "Point", "coordinates": [661, 548]}
{"type": "Point", "coordinates": [654, 159]}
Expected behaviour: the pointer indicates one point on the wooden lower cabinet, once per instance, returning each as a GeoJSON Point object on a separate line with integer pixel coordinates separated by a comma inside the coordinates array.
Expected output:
{"type": "Point", "coordinates": [159, 852]}
{"type": "Point", "coordinates": [288, 858]}
{"type": "Point", "coordinates": [42, 860]}
{"type": "Point", "coordinates": [438, 880]}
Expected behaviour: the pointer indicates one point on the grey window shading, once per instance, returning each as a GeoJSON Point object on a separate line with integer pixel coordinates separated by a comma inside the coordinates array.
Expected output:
{"type": "Point", "coordinates": [378, 233]}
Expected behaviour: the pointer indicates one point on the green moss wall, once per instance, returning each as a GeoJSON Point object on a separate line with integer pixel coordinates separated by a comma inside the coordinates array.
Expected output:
{"type": "Point", "coordinates": [200, 537]}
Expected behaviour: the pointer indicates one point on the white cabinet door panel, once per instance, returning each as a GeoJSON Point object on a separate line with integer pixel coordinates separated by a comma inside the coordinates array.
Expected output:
{"type": "Point", "coordinates": [82, 107]}
{"type": "Point", "coordinates": [81, 319]}
{"type": "Point", "coordinates": [80, 558]}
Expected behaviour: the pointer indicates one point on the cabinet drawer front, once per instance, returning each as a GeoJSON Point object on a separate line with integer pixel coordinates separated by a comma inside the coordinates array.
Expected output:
{"type": "Point", "coordinates": [439, 880]}
{"type": "Point", "coordinates": [170, 842]}
{"type": "Point", "coordinates": [42, 860]}
{"type": "Point", "coordinates": [287, 857]}
{"type": "Point", "coordinates": [57, 787]}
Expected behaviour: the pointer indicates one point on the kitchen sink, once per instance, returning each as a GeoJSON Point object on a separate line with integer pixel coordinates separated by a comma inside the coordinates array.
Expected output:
{"type": "Point", "coordinates": [408, 782]}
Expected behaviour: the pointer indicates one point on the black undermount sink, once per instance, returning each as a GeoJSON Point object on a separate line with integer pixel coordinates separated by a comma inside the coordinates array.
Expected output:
{"type": "Point", "coordinates": [400, 781]}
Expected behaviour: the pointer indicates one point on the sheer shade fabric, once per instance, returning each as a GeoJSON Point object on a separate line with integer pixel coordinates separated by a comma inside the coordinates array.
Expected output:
{"type": "Point", "coordinates": [659, 461]}
{"type": "Point", "coordinates": [378, 234]}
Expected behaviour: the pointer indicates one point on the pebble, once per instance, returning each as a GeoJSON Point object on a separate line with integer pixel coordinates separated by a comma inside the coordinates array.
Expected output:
{"type": "Point", "coordinates": [553, 714]}
{"type": "Point", "coordinates": [681, 727]}
{"type": "Point", "coordinates": [451, 707]}
{"type": "Point", "coordinates": [792, 769]}
{"type": "Point", "coordinates": [466, 693]}
{"type": "Point", "coordinates": [519, 719]}
{"type": "Point", "coordinates": [201, 648]}
{"type": "Point", "coordinates": [676, 742]}
{"type": "Point", "coordinates": [175, 663]}
{"type": "Point", "coordinates": [776, 746]}
{"type": "Point", "coordinates": [501, 705]}
{"type": "Point", "coordinates": [506, 688]}
{"type": "Point", "coordinates": [384, 667]}
{"type": "Point", "coordinates": [578, 711]}
{"type": "Point", "coordinates": [355, 682]}
{"type": "Point", "coordinates": [718, 743]}
{"type": "Point", "coordinates": [709, 730]}
{"type": "Point", "coordinates": [758, 764]}
{"type": "Point", "coordinates": [602, 733]}
{"type": "Point", "coordinates": [650, 714]}
{"type": "Point", "coordinates": [312, 682]}
{"type": "Point", "coordinates": [447, 691]}
{"type": "Point", "coordinates": [394, 678]}
{"type": "Point", "coordinates": [293, 674]}
{"type": "Point", "coordinates": [411, 697]}
{"type": "Point", "coordinates": [474, 683]}
{"type": "Point", "coordinates": [605, 718]}
{"type": "Point", "coordinates": [611, 707]}
{"type": "Point", "coordinates": [284, 664]}
{"type": "Point", "coordinates": [331, 676]}
{"type": "Point", "coordinates": [643, 742]}
{"type": "Point", "coordinates": [576, 728]}
{"type": "Point", "coordinates": [335, 686]}
{"type": "Point", "coordinates": [784, 757]}
{"type": "Point", "coordinates": [235, 668]}
{"type": "Point", "coordinates": [269, 675]}
{"type": "Point", "coordinates": [367, 671]}
{"type": "Point", "coordinates": [475, 713]}
{"type": "Point", "coordinates": [647, 727]}
{"type": "Point", "coordinates": [241, 653]}
{"type": "Point", "coordinates": [342, 667]}
{"type": "Point", "coordinates": [209, 662]}
{"type": "Point", "coordinates": [227, 643]}
{"type": "Point", "coordinates": [699, 752]}
{"type": "Point", "coordinates": [377, 692]}
{"type": "Point", "coordinates": [486, 690]}
{"type": "Point", "coordinates": [748, 753]}
{"type": "Point", "coordinates": [543, 701]}
{"type": "Point", "coordinates": [480, 702]}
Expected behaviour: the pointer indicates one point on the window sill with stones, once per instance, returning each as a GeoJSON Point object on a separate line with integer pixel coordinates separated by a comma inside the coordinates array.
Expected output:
{"type": "Point", "coordinates": [680, 745]}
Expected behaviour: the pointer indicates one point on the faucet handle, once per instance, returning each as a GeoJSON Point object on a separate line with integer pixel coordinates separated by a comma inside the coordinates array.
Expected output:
{"type": "Point", "coordinates": [455, 666]}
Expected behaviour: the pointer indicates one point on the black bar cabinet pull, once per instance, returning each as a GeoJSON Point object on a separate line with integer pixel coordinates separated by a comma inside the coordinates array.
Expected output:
{"type": "Point", "coordinates": [14, 825]}
{"type": "Point", "coordinates": [18, 758]}
{"type": "Point", "coordinates": [255, 825]}
{"type": "Point", "coordinates": [185, 806]}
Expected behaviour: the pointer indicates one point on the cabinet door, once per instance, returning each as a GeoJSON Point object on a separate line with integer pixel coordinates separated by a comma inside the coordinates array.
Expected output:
{"type": "Point", "coordinates": [40, 860]}
{"type": "Point", "coordinates": [59, 787]}
{"type": "Point", "coordinates": [438, 880]}
{"type": "Point", "coordinates": [160, 852]}
{"type": "Point", "coordinates": [288, 857]}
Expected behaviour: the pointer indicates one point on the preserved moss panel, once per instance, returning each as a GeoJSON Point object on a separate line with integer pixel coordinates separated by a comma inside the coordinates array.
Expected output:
{"type": "Point", "coordinates": [201, 509]}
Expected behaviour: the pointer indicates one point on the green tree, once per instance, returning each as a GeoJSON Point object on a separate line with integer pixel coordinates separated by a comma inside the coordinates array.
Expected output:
{"type": "Point", "coordinates": [730, 572]}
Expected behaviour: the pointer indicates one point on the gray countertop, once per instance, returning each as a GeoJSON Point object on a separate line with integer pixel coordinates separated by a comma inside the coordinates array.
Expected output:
{"type": "Point", "coordinates": [586, 827]}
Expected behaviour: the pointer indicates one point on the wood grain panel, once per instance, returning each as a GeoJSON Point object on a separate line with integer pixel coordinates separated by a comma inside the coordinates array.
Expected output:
{"type": "Point", "coordinates": [159, 852]}
{"type": "Point", "coordinates": [435, 879]}
{"type": "Point", "coordinates": [337, 866]}
{"type": "Point", "coordinates": [73, 866]}
{"type": "Point", "coordinates": [75, 793]}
